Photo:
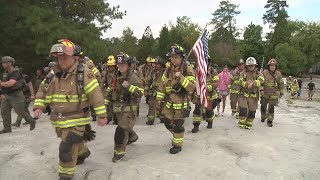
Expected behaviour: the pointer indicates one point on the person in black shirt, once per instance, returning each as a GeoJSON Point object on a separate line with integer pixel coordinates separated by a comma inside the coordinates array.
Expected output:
{"type": "Point", "coordinates": [11, 87]}
{"type": "Point", "coordinates": [311, 89]}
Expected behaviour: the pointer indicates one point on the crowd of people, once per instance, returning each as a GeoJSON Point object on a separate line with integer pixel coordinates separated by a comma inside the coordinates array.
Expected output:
{"type": "Point", "coordinates": [73, 92]}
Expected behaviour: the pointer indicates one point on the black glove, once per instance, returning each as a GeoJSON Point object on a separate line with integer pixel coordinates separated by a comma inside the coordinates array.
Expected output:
{"type": "Point", "coordinates": [89, 134]}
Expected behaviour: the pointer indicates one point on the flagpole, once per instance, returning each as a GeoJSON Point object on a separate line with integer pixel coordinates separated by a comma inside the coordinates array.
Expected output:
{"type": "Point", "coordinates": [197, 40]}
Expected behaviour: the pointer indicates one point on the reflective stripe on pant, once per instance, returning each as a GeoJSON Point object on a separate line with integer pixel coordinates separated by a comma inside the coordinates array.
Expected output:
{"type": "Point", "coordinates": [124, 130]}
{"type": "Point", "coordinates": [197, 117]}
{"type": "Point", "coordinates": [152, 108]}
{"type": "Point", "coordinates": [268, 104]}
{"type": "Point", "coordinates": [175, 124]}
{"type": "Point", "coordinates": [248, 107]}
{"type": "Point", "coordinates": [233, 102]}
{"type": "Point", "coordinates": [67, 169]}
{"type": "Point", "coordinates": [17, 103]}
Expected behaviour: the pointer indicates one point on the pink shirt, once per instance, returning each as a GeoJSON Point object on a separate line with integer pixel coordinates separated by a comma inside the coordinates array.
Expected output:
{"type": "Point", "coordinates": [224, 79]}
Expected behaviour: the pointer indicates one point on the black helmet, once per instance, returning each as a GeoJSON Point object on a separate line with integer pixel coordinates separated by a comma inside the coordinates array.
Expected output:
{"type": "Point", "coordinates": [77, 50]}
{"type": "Point", "coordinates": [176, 50]}
{"type": "Point", "coordinates": [159, 60]}
{"type": "Point", "coordinates": [123, 58]}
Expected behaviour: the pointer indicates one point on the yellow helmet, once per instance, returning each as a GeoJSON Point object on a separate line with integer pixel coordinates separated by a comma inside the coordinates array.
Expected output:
{"type": "Point", "coordinates": [168, 65]}
{"type": "Point", "coordinates": [111, 61]}
{"type": "Point", "coordinates": [150, 60]}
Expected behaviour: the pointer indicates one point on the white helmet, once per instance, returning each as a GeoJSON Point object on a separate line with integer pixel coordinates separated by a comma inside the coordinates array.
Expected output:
{"type": "Point", "coordinates": [251, 61]}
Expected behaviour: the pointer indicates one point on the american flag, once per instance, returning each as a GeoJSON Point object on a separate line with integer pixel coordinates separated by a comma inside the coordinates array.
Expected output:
{"type": "Point", "coordinates": [201, 50]}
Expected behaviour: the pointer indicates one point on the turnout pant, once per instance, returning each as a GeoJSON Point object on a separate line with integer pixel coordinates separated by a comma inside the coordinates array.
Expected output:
{"type": "Point", "coordinates": [267, 108]}
{"type": "Point", "coordinates": [233, 102]}
{"type": "Point", "coordinates": [71, 147]}
{"type": "Point", "coordinates": [197, 114]}
{"type": "Point", "coordinates": [174, 122]}
{"type": "Point", "coordinates": [124, 132]}
{"type": "Point", "coordinates": [248, 107]}
{"type": "Point", "coordinates": [152, 108]}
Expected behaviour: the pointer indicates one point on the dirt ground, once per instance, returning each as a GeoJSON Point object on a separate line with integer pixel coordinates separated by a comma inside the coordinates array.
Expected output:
{"type": "Point", "coordinates": [289, 150]}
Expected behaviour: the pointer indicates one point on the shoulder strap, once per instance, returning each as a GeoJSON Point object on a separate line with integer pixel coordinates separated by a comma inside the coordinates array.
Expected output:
{"type": "Point", "coordinates": [80, 83]}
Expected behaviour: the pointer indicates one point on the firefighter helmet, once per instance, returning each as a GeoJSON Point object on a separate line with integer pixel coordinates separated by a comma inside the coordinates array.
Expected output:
{"type": "Point", "coordinates": [150, 60]}
{"type": "Point", "coordinates": [176, 50]}
{"type": "Point", "coordinates": [251, 61]}
{"type": "Point", "coordinates": [272, 61]}
{"type": "Point", "coordinates": [123, 58]}
{"type": "Point", "coordinates": [111, 61]}
{"type": "Point", "coordinates": [159, 60]}
{"type": "Point", "coordinates": [64, 46]}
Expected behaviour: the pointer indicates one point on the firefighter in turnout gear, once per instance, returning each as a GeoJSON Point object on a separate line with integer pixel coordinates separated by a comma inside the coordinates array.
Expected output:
{"type": "Point", "coordinates": [70, 89]}
{"type": "Point", "coordinates": [212, 95]}
{"type": "Point", "coordinates": [109, 81]}
{"type": "Point", "coordinates": [271, 90]}
{"type": "Point", "coordinates": [152, 84]}
{"type": "Point", "coordinates": [250, 81]}
{"type": "Point", "coordinates": [235, 88]}
{"type": "Point", "coordinates": [124, 95]}
{"type": "Point", "coordinates": [89, 63]}
{"type": "Point", "coordinates": [176, 84]}
{"type": "Point", "coordinates": [294, 88]}
{"type": "Point", "coordinates": [146, 70]}
{"type": "Point", "coordinates": [12, 85]}
{"type": "Point", "coordinates": [137, 70]}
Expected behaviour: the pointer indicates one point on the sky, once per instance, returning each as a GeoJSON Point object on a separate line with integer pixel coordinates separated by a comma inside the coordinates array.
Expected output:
{"type": "Point", "coordinates": [156, 13]}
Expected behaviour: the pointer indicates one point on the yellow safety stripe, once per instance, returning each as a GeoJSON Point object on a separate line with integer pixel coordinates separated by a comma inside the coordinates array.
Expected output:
{"type": "Point", "coordinates": [185, 82]}
{"type": "Point", "coordinates": [160, 95]}
{"type": "Point", "coordinates": [177, 140]}
{"type": "Point", "coordinates": [91, 86]}
{"type": "Point", "coordinates": [169, 89]}
{"type": "Point", "coordinates": [251, 95]}
{"type": "Point", "coordinates": [234, 91]}
{"type": "Point", "coordinates": [39, 102]}
{"type": "Point", "coordinates": [132, 88]}
{"type": "Point", "coordinates": [100, 110]}
{"type": "Point", "coordinates": [106, 101]}
{"type": "Point", "coordinates": [69, 171]}
{"type": "Point", "coordinates": [196, 119]}
{"type": "Point", "coordinates": [215, 96]}
{"type": "Point", "coordinates": [140, 89]}
{"type": "Point", "coordinates": [71, 122]}
{"type": "Point", "coordinates": [235, 82]}
{"type": "Point", "coordinates": [108, 90]}
{"type": "Point", "coordinates": [95, 70]}
{"type": "Point", "coordinates": [209, 88]}
{"type": "Point", "coordinates": [271, 84]}
{"type": "Point", "coordinates": [119, 152]}
{"type": "Point", "coordinates": [261, 78]}
{"type": "Point", "coordinates": [244, 83]}
{"type": "Point", "coordinates": [163, 78]}
{"type": "Point", "coordinates": [191, 78]}
{"type": "Point", "coordinates": [176, 106]}
{"type": "Point", "coordinates": [64, 98]}
{"type": "Point", "coordinates": [216, 78]}
{"type": "Point", "coordinates": [258, 83]}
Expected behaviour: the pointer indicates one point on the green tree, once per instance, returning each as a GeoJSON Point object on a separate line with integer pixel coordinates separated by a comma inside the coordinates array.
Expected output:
{"type": "Point", "coordinates": [225, 16]}
{"type": "Point", "coordinates": [277, 17]}
{"type": "Point", "coordinates": [146, 45]}
{"type": "Point", "coordinates": [31, 27]}
{"type": "Point", "coordinates": [291, 60]}
{"type": "Point", "coordinates": [127, 43]}
{"type": "Point", "coordinates": [163, 42]}
{"type": "Point", "coordinates": [223, 45]}
{"type": "Point", "coordinates": [252, 44]}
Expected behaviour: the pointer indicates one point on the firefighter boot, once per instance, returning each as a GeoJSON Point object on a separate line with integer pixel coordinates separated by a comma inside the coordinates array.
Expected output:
{"type": "Point", "coordinates": [209, 126]}
{"type": "Point", "coordinates": [195, 128]}
{"type": "Point", "coordinates": [269, 123]}
{"type": "Point", "coordinates": [175, 150]}
{"type": "Point", "coordinates": [84, 156]}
